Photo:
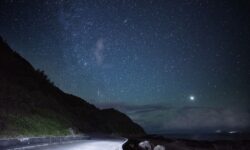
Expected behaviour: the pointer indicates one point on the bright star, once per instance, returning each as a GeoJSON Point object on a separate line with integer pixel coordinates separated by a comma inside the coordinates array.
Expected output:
{"type": "Point", "coordinates": [191, 98]}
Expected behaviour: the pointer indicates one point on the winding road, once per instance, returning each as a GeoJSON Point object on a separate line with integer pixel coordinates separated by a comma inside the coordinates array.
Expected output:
{"type": "Point", "coordinates": [97, 144]}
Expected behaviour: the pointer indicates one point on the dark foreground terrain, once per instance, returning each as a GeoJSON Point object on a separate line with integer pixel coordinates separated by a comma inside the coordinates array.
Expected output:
{"type": "Point", "coordinates": [31, 105]}
{"type": "Point", "coordinates": [181, 144]}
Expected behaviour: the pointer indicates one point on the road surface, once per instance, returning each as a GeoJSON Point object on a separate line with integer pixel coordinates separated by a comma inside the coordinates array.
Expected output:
{"type": "Point", "coordinates": [97, 144]}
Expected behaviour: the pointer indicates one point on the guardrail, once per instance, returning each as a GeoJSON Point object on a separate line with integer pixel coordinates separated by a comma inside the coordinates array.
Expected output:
{"type": "Point", "coordinates": [14, 143]}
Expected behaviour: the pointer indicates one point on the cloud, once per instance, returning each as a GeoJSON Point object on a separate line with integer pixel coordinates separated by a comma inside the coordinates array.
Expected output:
{"type": "Point", "coordinates": [165, 118]}
{"type": "Point", "coordinates": [200, 117]}
{"type": "Point", "coordinates": [98, 51]}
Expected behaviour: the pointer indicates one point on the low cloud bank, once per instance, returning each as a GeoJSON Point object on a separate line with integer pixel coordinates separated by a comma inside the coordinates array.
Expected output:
{"type": "Point", "coordinates": [166, 118]}
{"type": "Point", "coordinates": [194, 118]}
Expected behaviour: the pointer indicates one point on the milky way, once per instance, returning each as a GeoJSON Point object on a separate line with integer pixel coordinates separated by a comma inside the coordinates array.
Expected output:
{"type": "Point", "coordinates": [154, 60]}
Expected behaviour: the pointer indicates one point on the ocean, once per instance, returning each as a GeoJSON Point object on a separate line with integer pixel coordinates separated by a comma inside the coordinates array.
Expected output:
{"type": "Point", "coordinates": [210, 136]}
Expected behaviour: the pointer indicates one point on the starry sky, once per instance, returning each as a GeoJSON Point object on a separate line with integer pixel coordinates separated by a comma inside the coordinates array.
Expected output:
{"type": "Point", "coordinates": [172, 66]}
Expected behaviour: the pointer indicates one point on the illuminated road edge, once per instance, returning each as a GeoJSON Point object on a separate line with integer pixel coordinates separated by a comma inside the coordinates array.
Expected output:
{"type": "Point", "coordinates": [12, 143]}
{"type": "Point", "coordinates": [97, 144]}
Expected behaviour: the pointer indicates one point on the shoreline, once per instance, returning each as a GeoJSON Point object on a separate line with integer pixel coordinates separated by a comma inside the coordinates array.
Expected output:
{"type": "Point", "coordinates": [186, 144]}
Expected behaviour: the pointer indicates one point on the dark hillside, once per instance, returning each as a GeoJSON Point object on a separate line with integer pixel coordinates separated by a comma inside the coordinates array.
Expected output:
{"type": "Point", "coordinates": [30, 104]}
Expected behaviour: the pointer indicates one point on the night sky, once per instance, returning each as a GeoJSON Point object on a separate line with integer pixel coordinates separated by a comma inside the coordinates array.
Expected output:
{"type": "Point", "coordinates": [172, 66]}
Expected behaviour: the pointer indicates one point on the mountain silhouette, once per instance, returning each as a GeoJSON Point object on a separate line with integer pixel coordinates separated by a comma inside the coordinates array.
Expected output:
{"type": "Point", "coordinates": [30, 104]}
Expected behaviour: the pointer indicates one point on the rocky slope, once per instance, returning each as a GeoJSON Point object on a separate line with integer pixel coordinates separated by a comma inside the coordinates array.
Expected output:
{"type": "Point", "coordinates": [31, 105]}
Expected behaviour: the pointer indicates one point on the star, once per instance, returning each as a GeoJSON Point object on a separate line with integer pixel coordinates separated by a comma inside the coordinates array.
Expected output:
{"type": "Point", "coordinates": [125, 21]}
{"type": "Point", "coordinates": [191, 98]}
